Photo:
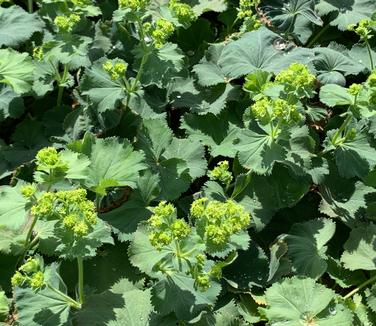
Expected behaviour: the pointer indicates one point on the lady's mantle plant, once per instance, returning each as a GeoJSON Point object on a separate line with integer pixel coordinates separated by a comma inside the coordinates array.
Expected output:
{"type": "Point", "coordinates": [187, 162]}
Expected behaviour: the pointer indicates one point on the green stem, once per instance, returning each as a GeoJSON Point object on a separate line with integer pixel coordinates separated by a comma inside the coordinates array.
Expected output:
{"type": "Point", "coordinates": [361, 286]}
{"type": "Point", "coordinates": [61, 81]}
{"type": "Point", "coordinates": [318, 35]}
{"type": "Point", "coordinates": [80, 279]}
{"type": "Point", "coordinates": [370, 55]}
{"type": "Point", "coordinates": [341, 129]}
{"type": "Point", "coordinates": [28, 237]}
{"type": "Point", "coordinates": [72, 303]}
{"type": "Point", "coordinates": [178, 254]}
{"type": "Point", "coordinates": [30, 6]}
{"type": "Point", "coordinates": [140, 70]}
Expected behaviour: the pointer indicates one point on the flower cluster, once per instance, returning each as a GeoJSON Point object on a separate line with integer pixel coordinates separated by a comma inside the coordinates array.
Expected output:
{"type": "Point", "coordinates": [71, 207]}
{"type": "Point", "coordinates": [81, 3]}
{"type": "Point", "coordinates": [355, 89]}
{"type": "Point", "coordinates": [162, 32]}
{"type": "Point", "coordinates": [266, 110]}
{"type": "Point", "coordinates": [115, 69]}
{"type": "Point", "coordinates": [297, 79]}
{"type": "Point", "coordinates": [133, 4]}
{"type": "Point", "coordinates": [38, 53]}
{"type": "Point", "coordinates": [66, 23]}
{"type": "Point", "coordinates": [221, 173]}
{"type": "Point", "coordinates": [28, 190]}
{"type": "Point", "coordinates": [48, 158]}
{"type": "Point", "coordinates": [363, 29]}
{"type": "Point", "coordinates": [30, 274]}
{"type": "Point", "coordinates": [165, 227]}
{"type": "Point", "coordinates": [219, 220]}
{"type": "Point", "coordinates": [246, 13]}
{"type": "Point", "coordinates": [182, 11]}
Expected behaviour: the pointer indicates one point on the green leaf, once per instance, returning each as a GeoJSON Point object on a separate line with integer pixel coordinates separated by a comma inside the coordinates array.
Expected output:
{"type": "Point", "coordinates": [344, 199]}
{"type": "Point", "coordinates": [16, 70]}
{"type": "Point", "coordinates": [123, 304]}
{"type": "Point", "coordinates": [177, 161]}
{"type": "Point", "coordinates": [355, 158]}
{"type": "Point", "coordinates": [359, 53]}
{"type": "Point", "coordinates": [17, 26]}
{"type": "Point", "coordinates": [301, 301]}
{"type": "Point", "coordinates": [371, 300]}
{"type": "Point", "coordinates": [113, 162]}
{"type": "Point", "coordinates": [44, 308]}
{"type": "Point", "coordinates": [334, 95]}
{"type": "Point", "coordinates": [307, 246]}
{"type": "Point", "coordinates": [347, 11]}
{"type": "Point", "coordinates": [208, 71]}
{"type": "Point", "coordinates": [290, 16]}
{"type": "Point", "coordinates": [13, 213]}
{"type": "Point", "coordinates": [332, 64]}
{"type": "Point", "coordinates": [4, 306]}
{"type": "Point", "coordinates": [142, 254]}
{"type": "Point", "coordinates": [55, 240]}
{"type": "Point", "coordinates": [104, 92]}
{"type": "Point", "coordinates": [11, 104]}
{"type": "Point", "coordinates": [176, 292]}
{"type": "Point", "coordinates": [360, 249]}
{"type": "Point", "coordinates": [217, 132]}
{"type": "Point", "coordinates": [162, 65]}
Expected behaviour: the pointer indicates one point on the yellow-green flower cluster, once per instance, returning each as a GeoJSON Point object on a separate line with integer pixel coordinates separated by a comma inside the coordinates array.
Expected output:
{"type": "Point", "coordinates": [363, 29]}
{"type": "Point", "coordinates": [182, 11]}
{"type": "Point", "coordinates": [38, 53]}
{"type": "Point", "coordinates": [355, 89]}
{"type": "Point", "coordinates": [29, 274]}
{"type": "Point", "coordinates": [221, 173]}
{"type": "Point", "coordinates": [246, 8]}
{"type": "Point", "coordinates": [162, 32]}
{"type": "Point", "coordinates": [165, 227]}
{"type": "Point", "coordinates": [28, 190]}
{"type": "Point", "coordinates": [81, 3]}
{"type": "Point", "coordinates": [220, 220]}
{"type": "Point", "coordinates": [133, 4]}
{"type": "Point", "coordinates": [266, 110]}
{"type": "Point", "coordinates": [48, 158]}
{"type": "Point", "coordinates": [202, 281]}
{"type": "Point", "coordinates": [115, 69]}
{"type": "Point", "coordinates": [371, 80]}
{"type": "Point", "coordinates": [297, 78]}
{"type": "Point", "coordinates": [66, 23]}
{"type": "Point", "coordinates": [71, 207]}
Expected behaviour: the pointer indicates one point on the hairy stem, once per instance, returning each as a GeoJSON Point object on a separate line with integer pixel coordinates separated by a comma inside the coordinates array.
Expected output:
{"type": "Point", "coordinates": [30, 6]}
{"type": "Point", "coordinates": [370, 55]}
{"type": "Point", "coordinates": [61, 81]}
{"type": "Point", "coordinates": [341, 129]}
{"type": "Point", "coordinates": [28, 242]}
{"type": "Point", "coordinates": [80, 280]}
{"type": "Point", "coordinates": [68, 299]}
{"type": "Point", "coordinates": [317, 36]}
{"type": "Point", "coordinates": [361, 286]}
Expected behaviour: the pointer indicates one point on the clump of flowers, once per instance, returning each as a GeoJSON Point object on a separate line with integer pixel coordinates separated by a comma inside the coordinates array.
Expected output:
{"type": "Point", "coordinates": [48, 158]}
{"type": "Point", "coordinates": [297, 79]}
{"type": "Point", "coordinates": [165, 226]}
{"type": "Point", "coordinates": [218, 221]}
{"type": "Point", "coordinates": [266, 110]}
{"type": "Point", "coordinates": [246, 12]}
{"type": "Point", "coordinates": [363, 29]}
{"type": "Point", "coordinates": [30, 274]}
{"type": "Point", "coordinates": [76, 213]}
{"type": "Point", "coordinates": [66, 23]}
{"type": "Point", "coordinates": [133, 4]}
{"type": "Point", "coordinates": [115, 68]}
{"type": "Point", "coordinates": [28, 190]}
{"type": "Point", "coordinates": [182, 11]}
{"type": "Point", "coordinates": [355, 89]}
{"type": "Point", "coordinates": [221, 173]}
{"type": "Point", "coordinates": [162, 32]}
{"type": "Point", "coordinates": [38, 53]}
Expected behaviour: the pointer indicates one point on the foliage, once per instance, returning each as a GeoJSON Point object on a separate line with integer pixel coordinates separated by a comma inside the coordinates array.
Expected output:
{"type": "Point", "coordinates": [188, 162]}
